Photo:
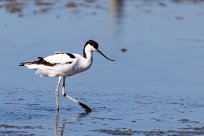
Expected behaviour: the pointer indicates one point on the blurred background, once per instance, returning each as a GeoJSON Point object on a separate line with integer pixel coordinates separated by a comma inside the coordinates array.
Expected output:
{"type": "Point", "coordinates": [158, 46]}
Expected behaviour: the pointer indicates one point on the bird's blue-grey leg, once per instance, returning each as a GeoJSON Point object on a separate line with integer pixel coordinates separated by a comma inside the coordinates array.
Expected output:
{"type": "Point", "coordinates": [87, 109]}
{"type": "Point", "coordinates": [57, 93]}
{"type": "Point", "coordinates": [64, 94]}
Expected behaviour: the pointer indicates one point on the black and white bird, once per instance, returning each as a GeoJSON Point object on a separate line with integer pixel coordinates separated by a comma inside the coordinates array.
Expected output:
{"type": "Point", "coordinates": [63, 65]}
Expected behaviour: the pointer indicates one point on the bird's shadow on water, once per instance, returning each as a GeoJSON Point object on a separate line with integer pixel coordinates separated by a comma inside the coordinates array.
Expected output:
{"type": "Point", "coordinates": [59, 126]}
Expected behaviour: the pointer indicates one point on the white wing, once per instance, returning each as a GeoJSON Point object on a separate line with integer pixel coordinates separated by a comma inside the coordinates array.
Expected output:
{"type": "Point", "coordinates": [60, 58]}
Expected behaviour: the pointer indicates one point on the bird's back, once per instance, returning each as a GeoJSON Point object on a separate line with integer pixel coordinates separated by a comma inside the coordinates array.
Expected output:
{"type": "Point", "coordinates": [59, 64]}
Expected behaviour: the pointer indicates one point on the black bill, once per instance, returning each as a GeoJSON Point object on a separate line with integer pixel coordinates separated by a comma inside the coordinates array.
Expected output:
{"type": "Point", "coordinates": [105, 55]}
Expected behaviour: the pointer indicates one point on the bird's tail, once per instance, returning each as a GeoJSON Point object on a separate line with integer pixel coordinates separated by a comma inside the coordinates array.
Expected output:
{"type": "Point", "coordinates": [26, 64]}
{"type": "Point", "coordinates": [38, 64]}
{"type": "Point", "coordinates": [22, 64]}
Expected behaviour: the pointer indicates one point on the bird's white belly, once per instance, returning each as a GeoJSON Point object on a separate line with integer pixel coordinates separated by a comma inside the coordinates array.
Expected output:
{"type": "Point", "coordinates": [68, 70]}
{"type": "Point", "coordinates": [75, 70]}
{"type": "Point", "coordinates": [55, 71]}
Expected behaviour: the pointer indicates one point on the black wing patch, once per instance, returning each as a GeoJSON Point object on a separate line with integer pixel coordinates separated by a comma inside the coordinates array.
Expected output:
{"type": "Point", "coordinates": [41, 61]}
{"type": "Point", "coordinates": [59, 53]}
{"type": "Point", "coordinates": [68, 54]}
{"type": "Point", "coordinates": [68, 62]}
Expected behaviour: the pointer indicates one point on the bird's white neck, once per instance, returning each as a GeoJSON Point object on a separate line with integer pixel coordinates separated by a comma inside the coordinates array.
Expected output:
{"type": "Point", "coordinates": [88, 56]}
{"type": "Point", "coordinates": [87, 52]}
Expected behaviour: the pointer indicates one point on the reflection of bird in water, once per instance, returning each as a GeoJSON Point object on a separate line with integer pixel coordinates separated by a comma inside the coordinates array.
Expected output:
{"type": "Point", "coordinates": [56, 122]}
{"type": "Point", "coordinates": [63, 65]}
{"type": "Point", "coordinates": [64, 122]}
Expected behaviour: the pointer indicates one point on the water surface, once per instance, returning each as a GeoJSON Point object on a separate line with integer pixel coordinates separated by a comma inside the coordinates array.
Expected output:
{"type": "Point", "coordinates": [154, 88]}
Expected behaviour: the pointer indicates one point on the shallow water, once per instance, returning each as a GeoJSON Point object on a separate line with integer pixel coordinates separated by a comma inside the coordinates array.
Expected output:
{"type": "Point", "coordinates": [154, 88]}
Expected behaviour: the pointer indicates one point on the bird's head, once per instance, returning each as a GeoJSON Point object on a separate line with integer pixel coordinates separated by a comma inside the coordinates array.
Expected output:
{"type": "Point", "coordinates": [93, 47]}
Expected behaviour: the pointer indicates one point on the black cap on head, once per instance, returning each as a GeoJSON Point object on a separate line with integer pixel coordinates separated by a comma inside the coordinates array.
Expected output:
{"type": "Point", "coordinates": [92, 43]}
{"type": "Point", "coordinates": [95, 45]}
